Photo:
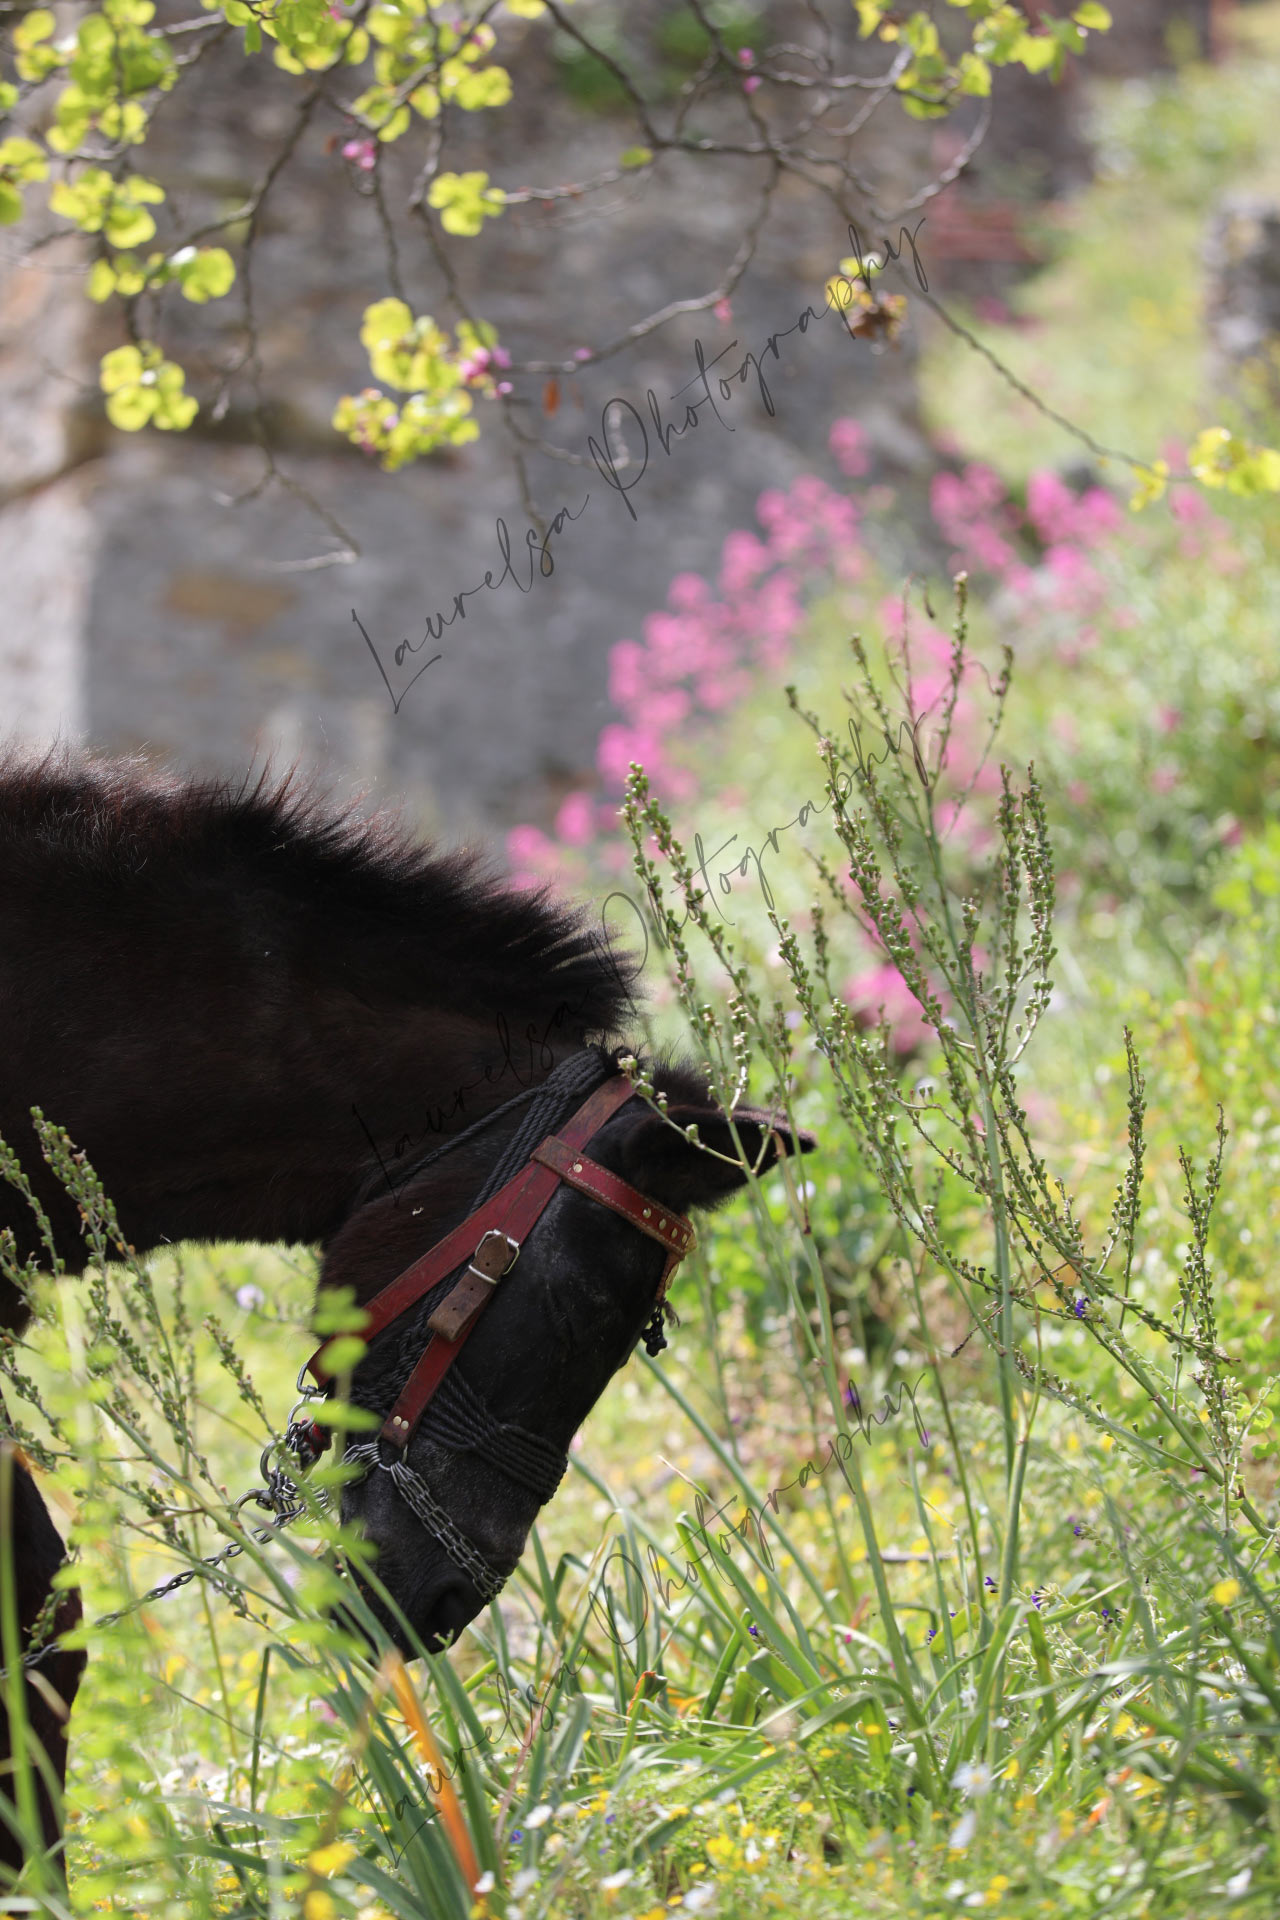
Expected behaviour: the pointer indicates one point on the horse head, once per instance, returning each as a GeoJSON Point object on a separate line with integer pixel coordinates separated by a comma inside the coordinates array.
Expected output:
{"type": "Point", "coordinates": [449, 1511]}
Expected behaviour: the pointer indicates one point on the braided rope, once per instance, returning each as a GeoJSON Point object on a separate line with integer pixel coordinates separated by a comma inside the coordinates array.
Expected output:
{"type": "Point", "coordinates": [458, 1418]}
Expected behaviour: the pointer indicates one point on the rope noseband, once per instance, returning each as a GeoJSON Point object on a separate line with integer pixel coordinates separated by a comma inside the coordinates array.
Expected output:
{"type": "Point", "coordinates": [480, 1253]}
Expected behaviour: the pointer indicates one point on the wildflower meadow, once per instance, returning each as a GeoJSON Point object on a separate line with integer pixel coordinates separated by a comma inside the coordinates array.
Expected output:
{"type": "Point", "coordinates": [932, 1568]}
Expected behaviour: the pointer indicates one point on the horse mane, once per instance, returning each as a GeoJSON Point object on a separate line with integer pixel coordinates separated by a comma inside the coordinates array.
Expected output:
{"type": "Point", "coordinates": [392, 915]}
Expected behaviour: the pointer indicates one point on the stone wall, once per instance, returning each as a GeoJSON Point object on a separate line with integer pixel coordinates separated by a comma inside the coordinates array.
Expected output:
{"type": "Point", "coordinates": [161, 597]}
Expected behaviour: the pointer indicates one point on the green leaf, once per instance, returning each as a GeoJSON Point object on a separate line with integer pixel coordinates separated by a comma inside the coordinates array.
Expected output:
{"type": "Point", "coordinates": [491, 87]}
{"type": "Point", "coordinates": [122, 367]}
{"type": "Point", "coordinates": [207, 275]}
{"type": "Point", "coordinates": [131, 408]}
{"type": "Point", "coordinates": [253, 37]}
{"type": "Point", "coordinates": [102, 280]}
{"type": "Point", "coordinates": [1036, 52]}
{"type": "Point", "coordinates": [635, 156]}
{"type": "Point", "coordinates": [973, 75]}
{"type": "Point", "coordinates": [36, 26]}
{"type": "Point", "coordinates": [10, 204]}
{"type": "Point", "coordinates": [1091, 15]}
{"type": "Point", "coordinates": [126, 225]}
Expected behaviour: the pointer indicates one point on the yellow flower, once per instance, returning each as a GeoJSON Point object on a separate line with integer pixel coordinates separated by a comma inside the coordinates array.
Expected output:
{"type": "Point", "coordinates": [318, 1905]}
{"type": "Point", "coordinates": [1151, 485]}
{"type": "Point", "coordinates": [331, 1859]}
{"type": "Point", "coordinates": [1225, 1592]}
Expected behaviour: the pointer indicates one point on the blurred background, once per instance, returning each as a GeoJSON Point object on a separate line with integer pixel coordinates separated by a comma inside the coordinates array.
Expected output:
{"type": "Point", "coordinates": [164, 595]}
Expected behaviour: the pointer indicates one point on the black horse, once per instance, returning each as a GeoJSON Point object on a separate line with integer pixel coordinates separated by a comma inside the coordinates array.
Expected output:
{"type": "Point", "coordinates": [263, 1020]}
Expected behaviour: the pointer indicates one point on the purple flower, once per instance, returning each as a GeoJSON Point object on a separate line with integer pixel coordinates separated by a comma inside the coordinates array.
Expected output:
{"type": "Point", "coordinates": [1081, 1307]}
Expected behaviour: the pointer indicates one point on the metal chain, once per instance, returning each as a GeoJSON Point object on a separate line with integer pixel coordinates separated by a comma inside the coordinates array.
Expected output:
{"type": "Point", "coordinates": [415, 1492]}
{"type": "Point", "coordinates": [278, 1496]}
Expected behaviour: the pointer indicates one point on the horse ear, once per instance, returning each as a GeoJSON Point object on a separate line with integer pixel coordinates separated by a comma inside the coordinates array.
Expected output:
{"type": "Point", "coordinates": [679, 1172]}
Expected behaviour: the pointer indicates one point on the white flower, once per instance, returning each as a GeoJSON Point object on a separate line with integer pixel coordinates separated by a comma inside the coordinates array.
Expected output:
{"type": "Point", "coordinates": [699, 1897]}
{"type": "Point", "coordinates": [524, 1881]}
{"type": "Point", "coordinates": [963, 1831]}
{"type": "Point", "coordinates": [612, 1881]}
{"type": "Point", "coordinates": [974, 1777]}
{"type": "Point", "coordinates": [955, 1891]}
{"type": "Point", "coordinates": [484, 1884]}
{"type": "Point", "coordinates": [751, 1851]}
{"type": "Point", "coordinates": [1238, 1884]}
{"type": "Point", "coordinates": [540, 1815]}
{"type": "Point", "coordinates": [249, 1296]}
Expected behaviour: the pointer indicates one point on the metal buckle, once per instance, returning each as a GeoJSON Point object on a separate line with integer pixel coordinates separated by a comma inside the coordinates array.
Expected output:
{"type": "Point", "coordinates": [513, 1253]}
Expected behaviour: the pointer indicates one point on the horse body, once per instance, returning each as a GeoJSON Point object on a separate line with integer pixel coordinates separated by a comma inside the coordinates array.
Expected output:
{"type": "Point", "coordinates": [253, 1015]}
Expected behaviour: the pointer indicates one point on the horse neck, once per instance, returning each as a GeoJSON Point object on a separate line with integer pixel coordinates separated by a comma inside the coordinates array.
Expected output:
{"type": "Point", "coordinates": [224, 1094]}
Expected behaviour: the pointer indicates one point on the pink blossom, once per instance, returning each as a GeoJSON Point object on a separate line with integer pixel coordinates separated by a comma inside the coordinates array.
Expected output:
{"type": "Point", "coordinates": [848, 442]}
{"type": "Point", "coordinates": [530, 856]}
{"type": "Point", "coordinates": [882, 990]}
{"type": "Point", "coordinates": [723, 311]}
{"type": "Point", "coordinates": [362, 152]}
{"type": "Point", "coordinates": [1232, 832]}
{"type": "Point", "coordinates": [582, 353]}
{"type": "Point", "coordinates": [743, 558]}
{"type": "Point", "coordinates": [505, 386]}
{"type": "Point", "coordinates": [1164, 778]}
{"type": "Point", "coordinates": [749, 85]}
{"type": "Point", "coordinates": [688, 593]}
{"type": "Point", "coordinates": [972, 511]}
{"type": "Point", "coordinates": [618, 746]}
{"type": "Point", "coordinates": [501, 358]}
{"type": "Point", "coordinates": [662, 713]}
{"type": "Point", "coordinates": [627, 681]}
{"type": "Point", "coordinates": [746, 57]}
{"type": "Point", "coordinates": [1168, 719]}
{"type": "Point", "coordinates": [575, 822]}
{"type": "Point", "coordinates": [527, 845]}
{"type": "Point", "coordinates": [1190, 506]}
{"type": "Point", "coordinates": [989, 307]}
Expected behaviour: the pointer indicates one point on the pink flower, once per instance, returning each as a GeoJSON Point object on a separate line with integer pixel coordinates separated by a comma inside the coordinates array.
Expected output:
{"type": "Point", "coordinates": [575, 822]}
{"type": "Point", "coordinates": [723, 311]}
{"type": "Point", "coordinates": [750, 85]}
{"type": "Point", "coordinates": [688, 593]}
{"type": "Point", "coordinates": [527, 845]}
{"type": "Point", "coordinates": [1168, 719]}
{"type": "Point", "coordinates": [582, 353]}
{"type": "Point", "coordinates": [531, 857]}
{"type": "Point", "coordinates": [743, 558]}
{"type": "Point", "coordinates": [746, 58]}
{"type": "Point", "coordinates": [362, 152]}
{"type": "Point", "coordinates": [501, 358]}
{"type": "Point", "coordinates": [848, 442]}
{"type": "Point", "coordinates": [1164, 779]}
{"type": "Point", "coordinates": [618, 746]}
{"type": "Point", "coordinates": [627, 680]}
{"type": "Point", "coordinates": [882, 990]}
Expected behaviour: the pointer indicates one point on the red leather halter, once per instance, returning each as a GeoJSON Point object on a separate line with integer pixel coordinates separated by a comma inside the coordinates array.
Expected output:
{"type": "Point", "coordinates": [489, 1240]}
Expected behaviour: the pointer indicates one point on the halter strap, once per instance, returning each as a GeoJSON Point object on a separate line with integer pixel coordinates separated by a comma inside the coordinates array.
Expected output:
{"type": "Point", "coordinates": [489, 1240]}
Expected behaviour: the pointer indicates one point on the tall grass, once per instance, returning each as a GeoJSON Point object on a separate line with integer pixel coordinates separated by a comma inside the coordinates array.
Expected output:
{"type": "Point", "coordinates": [791, 1635]}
